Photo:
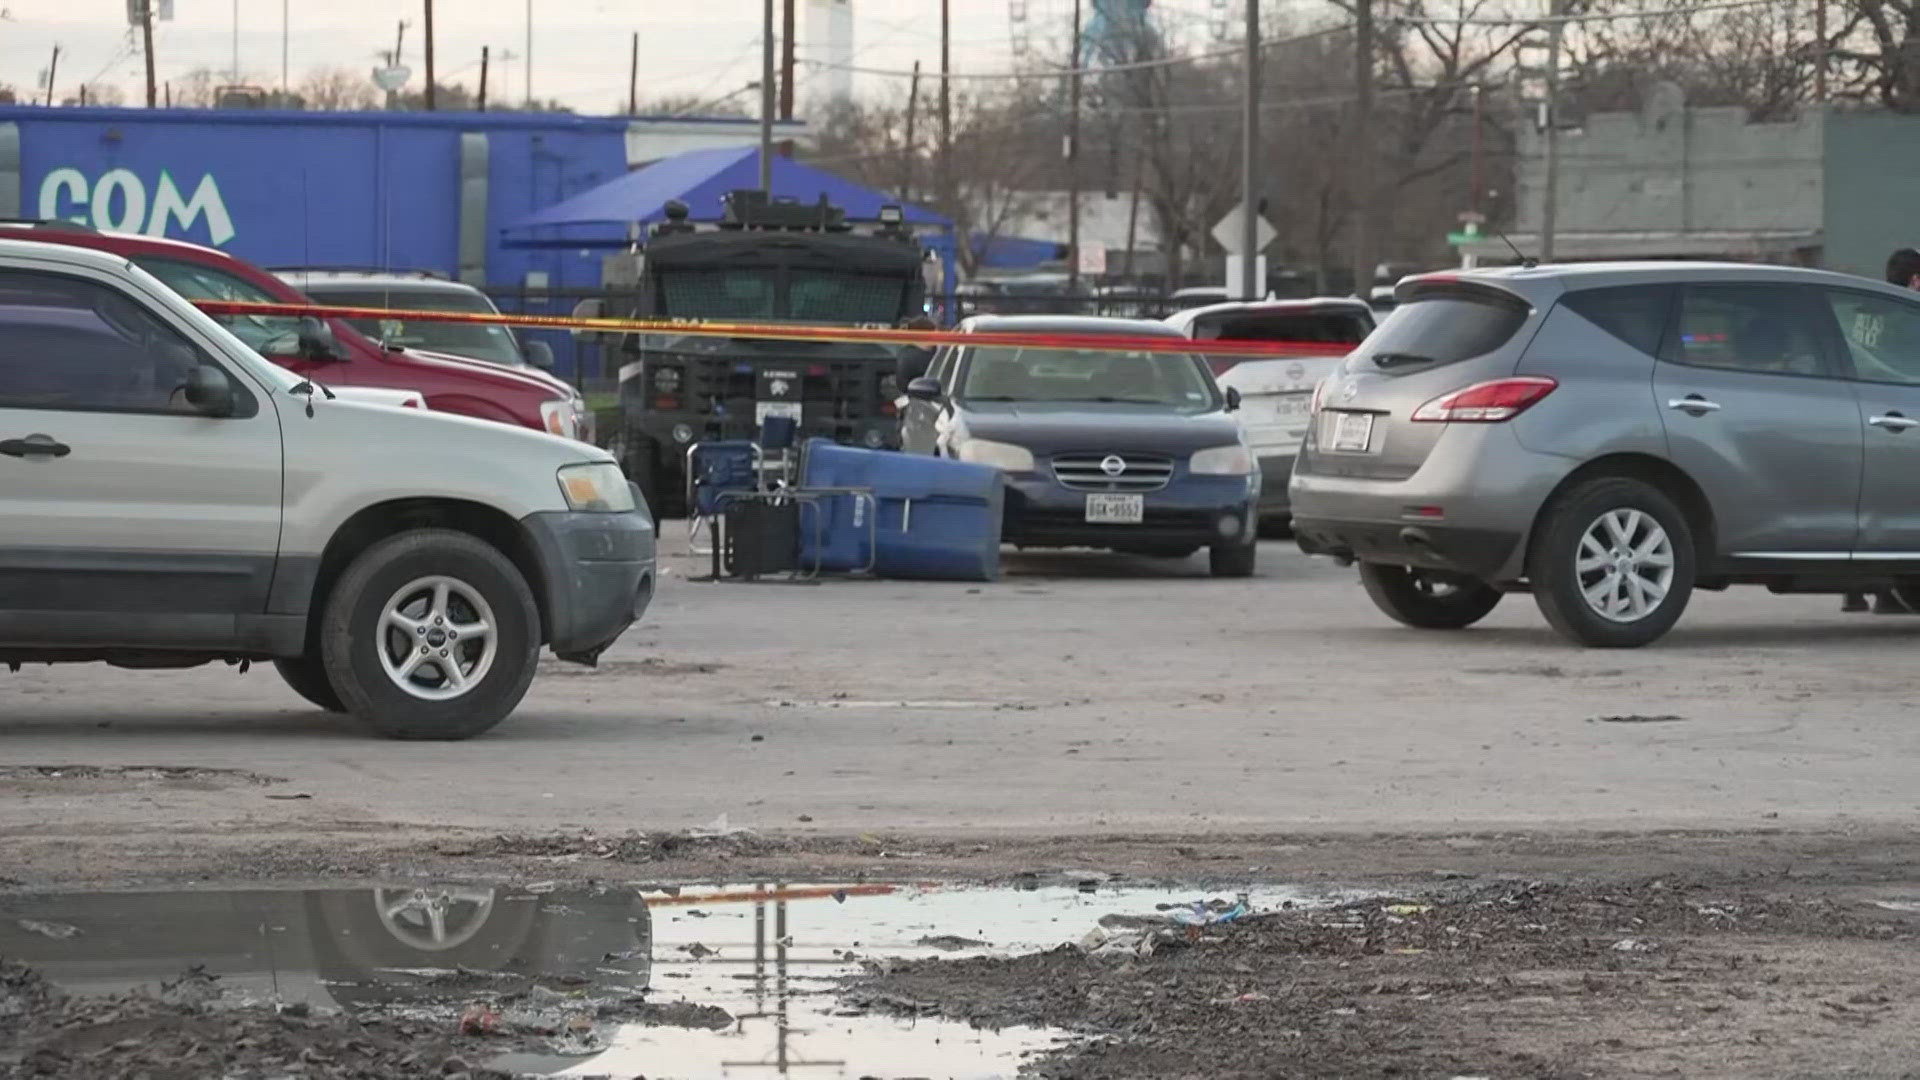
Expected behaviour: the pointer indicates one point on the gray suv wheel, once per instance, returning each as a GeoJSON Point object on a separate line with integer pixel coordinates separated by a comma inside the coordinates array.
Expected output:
{"type": "Point", "coordinates": [1612, 563]}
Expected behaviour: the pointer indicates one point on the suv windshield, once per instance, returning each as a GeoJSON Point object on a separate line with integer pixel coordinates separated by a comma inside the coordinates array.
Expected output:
{"type": "Point", "coordinates": [268, 335]}
{"type": "Point", "coordinates": [1049, 375]}
{"type": "Point", "coordinates": [809, 295]}
{"type": "Point", "coordinates": [494, 344]}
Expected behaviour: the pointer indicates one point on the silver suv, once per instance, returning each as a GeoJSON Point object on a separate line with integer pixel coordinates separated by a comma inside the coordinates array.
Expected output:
{"type": "Point", "coordinates": [170, 498]}
{"type": "Point", "coordinates": [1611, 437]}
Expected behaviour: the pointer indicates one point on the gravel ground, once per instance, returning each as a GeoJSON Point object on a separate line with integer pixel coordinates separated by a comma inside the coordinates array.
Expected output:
{"type": "Point", "coordinates": [1515, 979]}
{"type": "Point", "coordinates": [1130, 719]}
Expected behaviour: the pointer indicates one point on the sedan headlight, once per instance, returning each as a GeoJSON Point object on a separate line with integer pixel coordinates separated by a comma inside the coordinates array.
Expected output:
{"type": "Point", "coordinates": [1233, 460]}
{"type": "Point", "coordinates": [1003, 456]}
{"type": "Point", "coordinates": [560, 418]}
{"type": "Point", "coordinates": [598, 487]}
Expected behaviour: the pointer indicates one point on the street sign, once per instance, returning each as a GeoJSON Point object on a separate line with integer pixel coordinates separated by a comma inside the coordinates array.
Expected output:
{"type": "Point", "coordinates": [1468, 233]}
{"type": "Point", "coordinates": [1092, 260]}
{"type": "Point", "coordinates": [1230, 230]}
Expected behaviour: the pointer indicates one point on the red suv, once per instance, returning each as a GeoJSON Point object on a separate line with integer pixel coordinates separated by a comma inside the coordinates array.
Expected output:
{"type": "Point", "coordinates": [330, 351]}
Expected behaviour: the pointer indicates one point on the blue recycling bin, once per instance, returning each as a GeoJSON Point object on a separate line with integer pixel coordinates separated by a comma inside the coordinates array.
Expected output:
{"type": "Point", "coordinates": [934, 519]}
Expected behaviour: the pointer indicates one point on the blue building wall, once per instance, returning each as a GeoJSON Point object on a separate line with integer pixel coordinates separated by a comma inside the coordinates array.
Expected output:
{"type": "Point", "coordinates": [376, 189]}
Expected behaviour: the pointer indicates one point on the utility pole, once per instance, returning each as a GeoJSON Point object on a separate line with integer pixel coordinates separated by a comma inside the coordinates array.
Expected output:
{"type": "Point", "coordinates": [1251, 287]}
{"type": "Point", "coordinates": [766, 97]}
{"type": "Point", "coordinates": [53, 68]}
{"type": "Point", "coordinates": [429, 33]}
{"type": "Point", "coordinates": [1073, 156]}
{"type": "Point", "coordinates": [236, 42]}
{"type": "Point", "coordinates": [527, 57]}
{"type": "Point", "coordinates": [913, 108]}
{"type": "Point", "coordinates": [146, 37]}
{"type": "Point", "coordinates": [485, 57]}
{"type": "Point", "coordinates": [786, 60]}
{"type": "Point", "coordinates": [943, 155]}
{"type": "Point", "coordinates": [633, 78]}
{"type": "Point", "coordinates": [1360, 157]}
{"type": "Point", "coordinates": [286, 23]}
{"type": "Point", "coordinates": [1550, 113]}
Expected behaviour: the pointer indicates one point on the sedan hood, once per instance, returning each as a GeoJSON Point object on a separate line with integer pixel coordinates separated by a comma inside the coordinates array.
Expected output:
{"type": "Point", "coordinates": [498, 374]}
{"type": "Point", "coordinates": [1068, 427]}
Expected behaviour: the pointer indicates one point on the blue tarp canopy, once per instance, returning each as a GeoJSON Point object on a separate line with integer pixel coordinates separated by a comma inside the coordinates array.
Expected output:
{"type": "Point", "coordinates": [1015, 252]}
{"type": "Point", "coordinates": [700, 178]}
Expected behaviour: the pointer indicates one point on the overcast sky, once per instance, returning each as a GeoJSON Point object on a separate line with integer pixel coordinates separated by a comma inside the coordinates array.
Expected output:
{"type": "Point", "coordinates": [580, 47]}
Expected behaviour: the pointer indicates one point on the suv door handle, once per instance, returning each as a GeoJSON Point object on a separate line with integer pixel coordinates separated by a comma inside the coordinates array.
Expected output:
{"type": "Point", "coordinates": [1693, 404]}
{"type": "Point", "coordinates": [1894, 422]}
{"type": "Point", "coordinates": [35, 446]}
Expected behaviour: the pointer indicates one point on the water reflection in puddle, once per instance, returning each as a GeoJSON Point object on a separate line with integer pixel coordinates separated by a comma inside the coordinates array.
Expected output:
{"type": "Point", "coordinates": [770, 956]}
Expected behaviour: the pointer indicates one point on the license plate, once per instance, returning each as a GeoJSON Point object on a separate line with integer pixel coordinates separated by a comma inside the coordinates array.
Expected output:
{"type": "Point", "coordinates": [1349, 432]}
{"type": "Point", "coordinates": [764, 409]}
{"type": "Point", "coordinates": [1287, 407]}
{"type": "Point", "coordinates": [1116, 509]}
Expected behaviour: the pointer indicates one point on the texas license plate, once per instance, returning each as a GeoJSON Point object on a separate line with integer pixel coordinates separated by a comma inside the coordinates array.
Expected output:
{"type": "Point", "coordinates": [1349, 432]}
{"type": "Point", "coordinates": [764, 409]}
{"type": "Point", "coordinates": [1116, 509]}
{"type": "Point", "coordinates": [1288, 407]}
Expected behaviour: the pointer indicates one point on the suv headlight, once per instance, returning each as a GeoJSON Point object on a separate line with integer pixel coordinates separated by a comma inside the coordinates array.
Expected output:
{"type": "Point", "coordinates": [596, 487]}
{"type": "Point", "coordinates": [560, 418]}
{"type": "Point", "coordinates": [1233, 460]}
{"type": "Point", "coordinates": [1003, 456]}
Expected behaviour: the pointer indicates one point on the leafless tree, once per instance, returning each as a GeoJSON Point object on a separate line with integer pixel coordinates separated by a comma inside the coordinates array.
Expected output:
{"type": "Point", "coordinates": [334, 89]}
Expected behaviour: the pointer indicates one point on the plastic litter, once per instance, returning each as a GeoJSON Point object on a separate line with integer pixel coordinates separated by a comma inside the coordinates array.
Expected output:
{"type": "Point", "coordinates": [718, 828]}
{"type": "Point", "coordinates": [479, 1020]}
{"type": "Point", "coordinates": [1408, 909]}
{"type": "Point", "coordinates": [54, 930]}
{"type": "Point", "coordinates": [1119, 944]}
{"type": "Point", "coordinates": [1203, 913]}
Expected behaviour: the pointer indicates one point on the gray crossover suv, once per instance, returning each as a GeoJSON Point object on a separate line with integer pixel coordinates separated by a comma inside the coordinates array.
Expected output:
{"type": "Point", "coordinates": [1611, 437]}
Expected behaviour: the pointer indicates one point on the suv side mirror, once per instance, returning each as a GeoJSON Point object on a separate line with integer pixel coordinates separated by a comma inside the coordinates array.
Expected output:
{"type": "Point", "coordinates": [924, 389]}
{"type": "Point", "coordinates": [317, 341]}
{"type": "Point", "coordinates": [540, 355]}
{"type": "Point", "coordinates": [1233, 399]}
{"type": "Point", "coordinates": [210, 391]}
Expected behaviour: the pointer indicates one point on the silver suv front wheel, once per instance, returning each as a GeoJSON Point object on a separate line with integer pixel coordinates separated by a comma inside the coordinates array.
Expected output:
{"type": "Point", "coordinates": [1612, 563]}
{"type": "Point", "coordinates": [431, 634]}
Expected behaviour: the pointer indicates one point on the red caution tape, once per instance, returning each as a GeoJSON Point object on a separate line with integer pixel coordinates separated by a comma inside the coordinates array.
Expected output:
{"type": "Point", "coordinates": [787, 332]}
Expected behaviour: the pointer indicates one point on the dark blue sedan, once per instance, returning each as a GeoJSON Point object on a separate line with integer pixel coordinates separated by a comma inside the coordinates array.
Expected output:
{"type": "Point", "coordinates": [1128, 451]}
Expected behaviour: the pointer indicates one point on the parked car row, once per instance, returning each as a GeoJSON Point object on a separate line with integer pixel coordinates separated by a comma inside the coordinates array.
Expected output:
{"type": "Point", "coordinates": [177, 489]}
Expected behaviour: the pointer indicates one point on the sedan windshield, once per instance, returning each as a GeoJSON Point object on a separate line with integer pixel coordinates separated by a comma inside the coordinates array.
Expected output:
{"type": "Point", "coordinates": [1074, 375]}
{"type": "Point", "coordinates": [494, 344]}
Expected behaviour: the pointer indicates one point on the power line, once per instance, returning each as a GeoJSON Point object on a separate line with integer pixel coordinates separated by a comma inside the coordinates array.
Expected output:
{"type": "Point", "coordinates": [1068, 73]}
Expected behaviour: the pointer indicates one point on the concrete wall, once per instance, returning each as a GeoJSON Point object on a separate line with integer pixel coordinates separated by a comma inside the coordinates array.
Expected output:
{"type": "Point", "coordinates": [1679, 170]}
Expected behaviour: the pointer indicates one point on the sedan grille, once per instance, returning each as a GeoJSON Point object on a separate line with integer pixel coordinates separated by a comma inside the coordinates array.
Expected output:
{"type": "Point", "coordinates": [1112, 472]}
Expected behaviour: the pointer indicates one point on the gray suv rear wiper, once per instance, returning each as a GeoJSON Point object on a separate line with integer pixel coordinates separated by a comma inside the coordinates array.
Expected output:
{"type": "Point", "coordinates": [1398, 359]}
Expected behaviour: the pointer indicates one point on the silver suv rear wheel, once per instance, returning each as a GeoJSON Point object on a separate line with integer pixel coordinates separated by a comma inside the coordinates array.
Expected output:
{"type": "Point", "coordinates": [1612, 563]}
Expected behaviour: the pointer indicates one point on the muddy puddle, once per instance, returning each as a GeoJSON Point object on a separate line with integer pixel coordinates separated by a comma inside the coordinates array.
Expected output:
{"type": "Point", "coordinates": [661, 981]}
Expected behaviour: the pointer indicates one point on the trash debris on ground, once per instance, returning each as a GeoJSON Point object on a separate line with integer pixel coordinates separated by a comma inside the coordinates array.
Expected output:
{"type": "Point", "coordinates": [57, 931]}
